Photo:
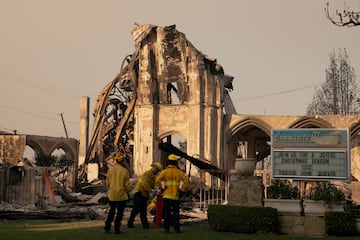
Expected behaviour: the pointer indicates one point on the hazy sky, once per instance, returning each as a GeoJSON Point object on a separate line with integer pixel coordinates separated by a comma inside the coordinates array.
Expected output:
{"type": "Point", "coordinates": [54, 52]}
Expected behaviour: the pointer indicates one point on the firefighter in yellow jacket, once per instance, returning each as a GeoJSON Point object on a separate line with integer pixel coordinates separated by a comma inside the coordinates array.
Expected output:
{"type": "Point", "coordinates": [143, 188]}
{"type": "Point", "coordinates": [172, 181]}
{"type": "Point", "coordinates": [118, 185]}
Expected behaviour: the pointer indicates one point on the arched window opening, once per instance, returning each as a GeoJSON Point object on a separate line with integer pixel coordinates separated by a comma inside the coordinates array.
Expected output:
{"type": "Point", "coordinates": [62, 164]}
{"type": "Point", "coordinates": [29, 154]}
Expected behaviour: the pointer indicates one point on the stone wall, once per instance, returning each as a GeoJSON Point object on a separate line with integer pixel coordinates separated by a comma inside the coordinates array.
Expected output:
{"type": "Point", "coordinates": [302, 225]}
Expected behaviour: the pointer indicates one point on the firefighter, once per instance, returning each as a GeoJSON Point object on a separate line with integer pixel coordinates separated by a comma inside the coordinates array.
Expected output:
{"type": "Point", "coordinates": [172, 181]}
{"type": "Point", "coordinates": [143, 189]}
{"type": "Point", "coordinates": [118, 185]}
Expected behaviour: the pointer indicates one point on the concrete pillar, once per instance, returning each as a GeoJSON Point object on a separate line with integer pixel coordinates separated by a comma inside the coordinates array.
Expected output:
{"type": "Point", "coordinates": [144, 139]}
{"type": "Point", "coordinates": [84, 128]}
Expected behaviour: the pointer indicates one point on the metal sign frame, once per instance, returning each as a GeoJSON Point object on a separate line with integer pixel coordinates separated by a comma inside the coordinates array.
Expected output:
{"type": "Point", "coordinates": [315, 154]}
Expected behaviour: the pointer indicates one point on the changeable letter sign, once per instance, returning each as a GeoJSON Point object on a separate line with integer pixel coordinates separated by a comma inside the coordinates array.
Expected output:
{"type": "Point", "coordinates": [310, 154]}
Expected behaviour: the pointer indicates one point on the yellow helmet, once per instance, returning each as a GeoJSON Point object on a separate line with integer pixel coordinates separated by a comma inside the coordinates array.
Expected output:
{"type": "Point", "coordinates": [119, 157]}
{"type": "Point", "coordinates": [172, 157]}
{"type": "Point", "coordinates": [157, 165]}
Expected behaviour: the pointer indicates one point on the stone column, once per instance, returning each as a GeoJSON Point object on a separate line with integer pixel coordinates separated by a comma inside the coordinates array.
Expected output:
{"type": "Point", "coordinates": [84, 128]}
{"type": "Point", "coordinates": [245, 190]}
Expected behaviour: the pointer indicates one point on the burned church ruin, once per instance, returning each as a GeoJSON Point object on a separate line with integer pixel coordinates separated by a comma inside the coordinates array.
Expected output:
{"type": "Point", "coordinates": [166, 87]}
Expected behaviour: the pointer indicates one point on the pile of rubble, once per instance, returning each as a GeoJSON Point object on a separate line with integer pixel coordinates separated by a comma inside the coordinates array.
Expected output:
{"type": "Point", "coordinates": [54, 200]}
{"type": "Point", "coordinates": [84, 206]}
{"type": "Point", "coordinates": [88, 208]}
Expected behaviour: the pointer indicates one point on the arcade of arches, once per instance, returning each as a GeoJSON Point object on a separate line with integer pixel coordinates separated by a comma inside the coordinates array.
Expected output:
{"type": "Point", "coordinates": [255, 130]}
{"type": "Point", "coordinates": [41, 150]}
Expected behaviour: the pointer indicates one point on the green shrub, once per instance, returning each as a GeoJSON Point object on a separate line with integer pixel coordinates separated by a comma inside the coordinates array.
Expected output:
{"type": "Point", "coordinates": [282, 190]}
{"type": "Point", "coordinates": [243, 219]}
{"type": "Point", "coordinates": [340, 223]}
{"type": "Point", "coordinates": [327, 192]}
{"type": "Point", "coordinates": [353, 208]}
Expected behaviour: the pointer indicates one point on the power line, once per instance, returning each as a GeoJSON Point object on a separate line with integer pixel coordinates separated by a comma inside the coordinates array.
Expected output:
{"type": "Point", "coordinates": [8, 129]}
{"type": "Point", "coordinates": [274, 94]}
{"type": "Point", "coordinates": [35, 114]}
{"type": "Point", "coordinates": [238, 100]}
{"type": "Point", "coordinates": [40, 86]}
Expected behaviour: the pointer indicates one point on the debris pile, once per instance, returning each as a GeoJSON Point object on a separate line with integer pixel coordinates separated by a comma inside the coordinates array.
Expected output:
{"type": "Point", "coordinates": [71, 205]}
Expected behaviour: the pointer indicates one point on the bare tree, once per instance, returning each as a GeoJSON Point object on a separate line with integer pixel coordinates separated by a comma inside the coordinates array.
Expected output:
{"type": "Point", "coordinates": [345, 18]}
{"type": "Point", "coordinates": [339, 93]}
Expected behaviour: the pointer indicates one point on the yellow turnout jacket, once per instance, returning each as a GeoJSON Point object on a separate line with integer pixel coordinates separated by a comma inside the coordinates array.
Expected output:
{"type": "Point", "coordinates": [118, 183]}
{"type": "Point", "coordinates": [172, 177]}
{"type": "Point", "coordinates": [146, 183]}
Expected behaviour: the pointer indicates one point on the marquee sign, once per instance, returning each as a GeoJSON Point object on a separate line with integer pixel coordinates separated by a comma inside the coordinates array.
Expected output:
{"type": "Point", "coordinates": [310, 154]}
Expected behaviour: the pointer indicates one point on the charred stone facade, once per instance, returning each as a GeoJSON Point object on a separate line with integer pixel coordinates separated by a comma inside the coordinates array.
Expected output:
{"type": "Point", "coordinates": [180, 93]}
{"type": "Point", "coordinates": [165, 88]}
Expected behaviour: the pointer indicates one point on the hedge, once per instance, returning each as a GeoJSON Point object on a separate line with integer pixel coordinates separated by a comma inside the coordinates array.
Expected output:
{"type": "Point", "coordinates": [243, 219]}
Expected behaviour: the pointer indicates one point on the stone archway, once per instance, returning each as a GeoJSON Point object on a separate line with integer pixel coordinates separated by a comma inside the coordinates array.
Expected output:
{"type": "Point", "coordinates": [247, 137]}
{"type": "Point", "coordinates": [310, 122]}
{"type": "Point", "coordinates": [45, 146]}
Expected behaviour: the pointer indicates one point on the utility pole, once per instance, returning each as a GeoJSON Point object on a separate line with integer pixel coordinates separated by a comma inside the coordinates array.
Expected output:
{"type": "Point", "coordinates": [62, 118]}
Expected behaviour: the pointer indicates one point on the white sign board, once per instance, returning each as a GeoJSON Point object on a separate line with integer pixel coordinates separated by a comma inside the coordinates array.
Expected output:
{"type": "Point", "coordinates": [310, 154]}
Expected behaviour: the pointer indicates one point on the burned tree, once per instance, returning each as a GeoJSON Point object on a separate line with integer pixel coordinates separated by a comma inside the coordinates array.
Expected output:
{"type": "Point", "coordinates": [345, 18]}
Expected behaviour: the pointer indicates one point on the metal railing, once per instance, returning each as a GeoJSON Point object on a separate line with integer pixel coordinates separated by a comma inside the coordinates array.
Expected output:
{"type": "Point", "coordinates": [214, 188]}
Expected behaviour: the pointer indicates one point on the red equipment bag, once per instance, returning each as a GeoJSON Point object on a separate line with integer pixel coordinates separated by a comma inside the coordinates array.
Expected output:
{"type": "Point", "coordinates": [159, 210]}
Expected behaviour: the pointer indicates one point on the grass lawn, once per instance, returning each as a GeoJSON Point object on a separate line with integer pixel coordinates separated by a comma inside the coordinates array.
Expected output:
{"type": "Point", "coordinates": [93, 230]}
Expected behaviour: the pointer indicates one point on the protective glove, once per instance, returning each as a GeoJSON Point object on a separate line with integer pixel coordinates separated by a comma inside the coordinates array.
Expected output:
{"type": "Point", "coordinates": [181, 193]}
